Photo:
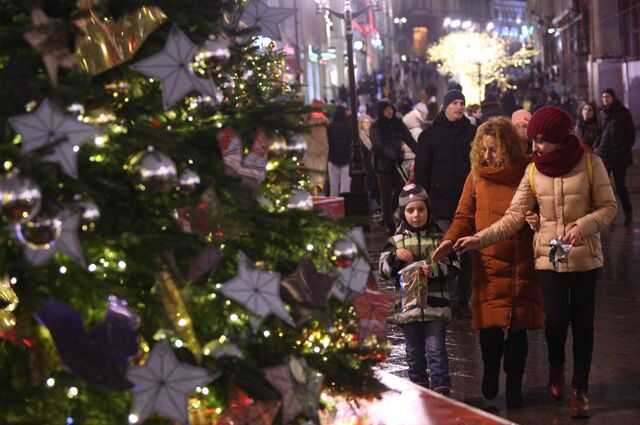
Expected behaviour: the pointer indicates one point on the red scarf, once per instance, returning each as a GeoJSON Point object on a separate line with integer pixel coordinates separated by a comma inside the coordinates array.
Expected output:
{"type": "Point", "coordinates": [561, 161]}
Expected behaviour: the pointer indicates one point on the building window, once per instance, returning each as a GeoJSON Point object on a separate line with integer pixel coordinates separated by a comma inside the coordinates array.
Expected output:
{"type": "Point", "coordinates": [630, 27]}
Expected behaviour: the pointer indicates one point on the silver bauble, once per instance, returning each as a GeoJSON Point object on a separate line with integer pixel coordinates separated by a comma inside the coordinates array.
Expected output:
{"type": "Point", "coordinates": [297, 146]}
{"type": "Point", "coordinates": [189, 181]}
{"type": "Point", "coordinates": [154, 170]}
{"type": "Point", "coordinates": [39, 233]}
{"type": "Point", "coordinates": [278, 146]}
{"type": "Point", "coordinates": [300, 200]}
{"type": "Point", "coordinates": [20, 198]}
{"type": "Point", "coordinates": [343, 252]}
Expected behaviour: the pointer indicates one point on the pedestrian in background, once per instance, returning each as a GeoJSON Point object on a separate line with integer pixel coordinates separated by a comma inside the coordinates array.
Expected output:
{"type": "Point", "coordinates": [506, 299]}
{"type": "Point", "coordinates": [617, 140]}
{"type": "Point", "coordinates": [576, 202]}
{"type": "Point", "coordinates": [588, 126]}
{"type": "Point", "coordinates": [387, 135]}
{"type": "Point", "coordinates": [339, 133]}
{"type": "Point", "coordinates": [415, 121]}
{"type": "Point", "coordinates": [520, 120]}
{"type": "Point", "coordinates": [442, 165]}
{"type": "Point", "coordinates": [316, 158]}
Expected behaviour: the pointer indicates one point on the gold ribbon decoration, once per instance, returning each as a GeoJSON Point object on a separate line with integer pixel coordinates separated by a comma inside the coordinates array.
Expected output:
{"type": "Point", "coordinates": [177, 312]}
{"type": "Point", "coordinates": [8, 302]}
{"type": "Point", "coordinates": [106, 43]}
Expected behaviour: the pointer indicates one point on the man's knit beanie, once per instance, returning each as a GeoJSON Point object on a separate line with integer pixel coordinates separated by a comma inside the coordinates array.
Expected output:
{"type": "Point", "coordinates": [550, 124]}
{"type": "Point", "coordinates": [412, 192]}
{"type": "Point", "coordinates": [451, 96]}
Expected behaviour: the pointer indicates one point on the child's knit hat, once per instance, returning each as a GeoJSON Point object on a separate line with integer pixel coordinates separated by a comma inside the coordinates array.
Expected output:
{"type": "Point", "coordinates": [412, 192]}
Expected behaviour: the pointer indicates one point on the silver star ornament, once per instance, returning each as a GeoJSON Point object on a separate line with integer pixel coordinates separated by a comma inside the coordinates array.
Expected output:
{"type": "Point", "coordinates": [47, 126]}
{"type": "Point", "coordinates": [173, 66]}
{"type": "Point", "coordinates": [257, 290]}
{"type": "Point", "coordinates": [257, 14]}
{"type": "Point", "coordinates": [41, 238]}
{"type": "Point", "coordinates": [163, 385]}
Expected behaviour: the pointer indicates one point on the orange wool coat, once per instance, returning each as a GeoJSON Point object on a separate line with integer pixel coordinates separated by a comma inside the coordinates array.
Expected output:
{"type": "Point", "coordinates": [505, 292]}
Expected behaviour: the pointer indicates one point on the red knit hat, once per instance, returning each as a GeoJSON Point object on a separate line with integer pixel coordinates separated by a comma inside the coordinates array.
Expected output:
{"type": "Point", "coordinates": [550, 124]}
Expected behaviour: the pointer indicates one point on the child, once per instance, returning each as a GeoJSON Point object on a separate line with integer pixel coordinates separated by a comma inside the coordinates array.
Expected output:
{"type": "Point", "coordinates": [425, 309]}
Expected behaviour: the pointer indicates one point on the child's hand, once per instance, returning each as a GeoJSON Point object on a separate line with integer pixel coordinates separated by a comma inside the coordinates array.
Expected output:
{"type": "Point", "coordinates": [405, 255]}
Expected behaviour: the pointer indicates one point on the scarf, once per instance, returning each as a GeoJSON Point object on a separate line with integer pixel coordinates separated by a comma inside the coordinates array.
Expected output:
{"type": "Point", "coordinates": [560, 161]}
{"type": "Point", "coordinates": [509, 175]}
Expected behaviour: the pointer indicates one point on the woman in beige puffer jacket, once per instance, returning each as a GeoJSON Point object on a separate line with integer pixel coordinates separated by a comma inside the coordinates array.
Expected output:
{"type": "Point", "coordinates": [572, 190]}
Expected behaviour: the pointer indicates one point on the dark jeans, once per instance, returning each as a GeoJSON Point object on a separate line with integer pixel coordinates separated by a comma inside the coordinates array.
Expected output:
{"type": "Point", "coordinates": [514, 349]}
{"type": "Point", "coordinates": [619, 177]}
{"type": "Point", "coordinates": [390, 186]}
{"type": "Point", "coordinates": [425, 345]}
{"type": "Point", "coordinates": [569, 298]}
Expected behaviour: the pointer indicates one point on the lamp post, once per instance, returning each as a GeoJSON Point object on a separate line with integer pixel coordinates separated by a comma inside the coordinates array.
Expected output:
{"type": "Point", "coordinates": [357, 201]}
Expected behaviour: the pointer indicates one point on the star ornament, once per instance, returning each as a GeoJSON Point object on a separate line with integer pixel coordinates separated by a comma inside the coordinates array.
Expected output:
{"type": "Point", "coordinates": [352, 279]}
{"type": "Point", "coordinates": [298, 386]}
{"type": "Point", "coordinates": [163, 385]}
{"type": "Point", "coordinates": [257, 290]}
{"type": "Point", "coordinates": [173, 67]}
{"type": "Point", "coordinates": [42, 238]}
{"type": "Point", "coordinates": [50, 37]}
{"type": "Point", "coordinates": [257, 14]}
{"type": "Point", "coordinates": [307, 286]}
{"type": "Point", "coordinates": [50, 128]}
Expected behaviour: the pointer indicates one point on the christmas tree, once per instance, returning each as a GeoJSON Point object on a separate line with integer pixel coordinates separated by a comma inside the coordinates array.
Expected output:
{"type": "Point", "coordinates": [159, 261]}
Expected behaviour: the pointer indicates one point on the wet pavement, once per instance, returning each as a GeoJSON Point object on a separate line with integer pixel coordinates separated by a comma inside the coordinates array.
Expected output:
{"type": "Point", "coordinates": [615, 376]}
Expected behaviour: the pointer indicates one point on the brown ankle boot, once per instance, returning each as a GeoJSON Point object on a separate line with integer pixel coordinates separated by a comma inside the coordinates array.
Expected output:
{"type": "Point", "coordinates": [579, 404]}
{"type": "Point", "coordinates": [556, 382]}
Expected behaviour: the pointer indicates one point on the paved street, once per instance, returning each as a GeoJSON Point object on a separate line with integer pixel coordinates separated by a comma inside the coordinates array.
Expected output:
{"type": "Point", "coordinates": [615, 379]}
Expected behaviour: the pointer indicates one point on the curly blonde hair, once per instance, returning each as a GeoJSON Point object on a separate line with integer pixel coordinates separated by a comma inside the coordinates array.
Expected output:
{"type": "Point", "coordinates": [509, 145]}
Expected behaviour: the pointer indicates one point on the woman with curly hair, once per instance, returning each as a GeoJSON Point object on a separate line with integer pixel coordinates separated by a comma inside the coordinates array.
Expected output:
{"type": "Point", "coordinates": [506, 301]}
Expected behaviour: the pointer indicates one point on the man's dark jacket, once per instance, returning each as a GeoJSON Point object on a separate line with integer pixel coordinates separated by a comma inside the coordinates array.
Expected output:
{"type": "Point", "coordinates": [618, 136]}
{"type": "Point", "coordinates": [442, 163]}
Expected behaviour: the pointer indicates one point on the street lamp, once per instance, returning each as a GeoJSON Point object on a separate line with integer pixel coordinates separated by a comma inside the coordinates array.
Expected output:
{"type": "Point", "coordinates": [357, 202]}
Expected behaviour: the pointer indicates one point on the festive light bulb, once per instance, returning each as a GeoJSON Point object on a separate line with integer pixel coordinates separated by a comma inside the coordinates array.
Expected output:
{"type": "Point", "coordinates": [62, 269]}
{"type": "Point", "coordinates": [50, 382]}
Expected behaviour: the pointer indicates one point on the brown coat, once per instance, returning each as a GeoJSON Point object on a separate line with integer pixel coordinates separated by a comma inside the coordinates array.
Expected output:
{"type": "Point", "coordinates": [574, 199]}
{"type": "Point", "coordinates": [505, 291]}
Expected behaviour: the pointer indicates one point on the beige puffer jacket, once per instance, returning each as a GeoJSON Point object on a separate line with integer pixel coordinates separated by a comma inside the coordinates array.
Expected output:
{"type": "Point", "coordinates": [564, 202]}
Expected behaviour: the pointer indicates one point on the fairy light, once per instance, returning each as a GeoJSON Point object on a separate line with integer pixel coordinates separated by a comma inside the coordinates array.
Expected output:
{"type": "Point", "coordinates": [133, 419]}
{"type": "Point", "coordinates": [62, 269]}
{"type": "Point", "coordinates": [266, 334]}
{"type": "Point", "coordinates": [182, 322]}
{"type": "Point", "coordinates": [72, 392]}
{"type": "Point", "coordinates": [234, 317]}
{"type": "Point", "coordinates": [92, 267]}
{"type": "Point", "coordinates": [122, 265]}
{"type": "Point", "coordinates": [8, 165]}
{"type": "Point", "coordinates": [51, 382]}
{"type": "Point", "coordinates": [13, 280]}
{"type": "Point", "coordinates": [310, 247]}
{"type": "Point", "coordinates": [178, 343]}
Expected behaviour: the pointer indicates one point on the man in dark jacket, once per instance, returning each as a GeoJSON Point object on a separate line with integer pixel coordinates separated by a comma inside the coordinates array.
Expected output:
{"type": "Point", "coordinates": [442, 166]}
{"type": "Point", "coordinates": [616, 141]}
{"type": "Point", "coordinates": [387, 135]}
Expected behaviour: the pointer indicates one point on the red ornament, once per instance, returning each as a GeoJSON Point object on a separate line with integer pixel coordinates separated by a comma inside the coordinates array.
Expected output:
{"type": "Point", "coordinates": [155, 122]}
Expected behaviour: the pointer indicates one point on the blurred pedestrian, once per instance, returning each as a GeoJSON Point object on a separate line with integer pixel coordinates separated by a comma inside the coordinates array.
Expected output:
{"type": "Point", "coordinates": [588, 125]}
{"type": "Point", "coordinates": [617, 140]}
{"type": "Point", "coordinates": [339, 132]}
{"type": "Point", "coordinates": [520, 120]}
{"type": "Point", "coordinates": [316, 158]}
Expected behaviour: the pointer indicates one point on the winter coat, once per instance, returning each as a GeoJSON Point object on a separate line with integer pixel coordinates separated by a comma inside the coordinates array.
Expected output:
{"type": "Point", "coordinates": [618, 136]}
{"type": "Point", "coordinates": [339, 133]}
{"type": "Point", "coordinates": [418, 304]}
{"type": "Point", "coordinates": [387, 137]}
{"type": "Point", "coordinates": [588, 132]}
{"type": "Point", "coordinates": [572, 199]}
{"type": "Point", "coordinates": [442, 162]}
{"type": "Point", "coordinates": [505, 292]}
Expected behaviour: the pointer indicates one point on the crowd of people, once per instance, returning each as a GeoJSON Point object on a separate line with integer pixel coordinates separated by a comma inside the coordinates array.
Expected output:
{"type": "Point", "coordinates": [503, 216]}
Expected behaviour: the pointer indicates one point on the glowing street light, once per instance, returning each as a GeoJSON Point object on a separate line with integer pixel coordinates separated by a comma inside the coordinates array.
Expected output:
{"type": "Point", "coordinates": [490, 26]}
